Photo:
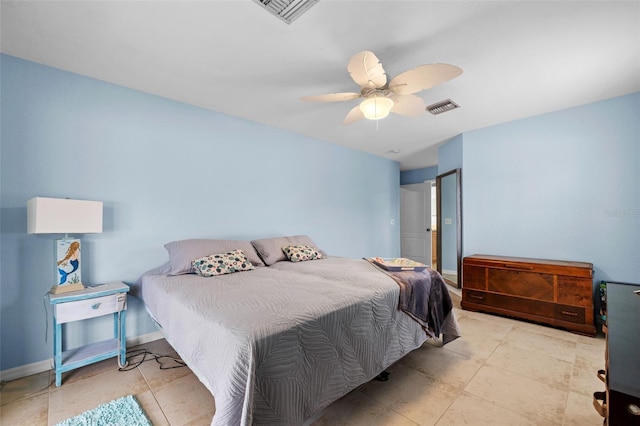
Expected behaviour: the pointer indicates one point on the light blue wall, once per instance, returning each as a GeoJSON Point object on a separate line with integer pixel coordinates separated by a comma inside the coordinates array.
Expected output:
{"type": "Point", "coordinates": [409, 177]}
{"type": "Point", "coordinates": [564, 185]}
{"type": "Point", "coordinates": [450, 155]}
{"type": "Point", "coordinates": [449, 158]}
{"type": "Point", "coordinates": [164, 171]}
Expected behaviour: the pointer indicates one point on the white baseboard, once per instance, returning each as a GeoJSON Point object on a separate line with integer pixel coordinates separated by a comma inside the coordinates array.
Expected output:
{"type": "Point", "coordinates": [26, 370]}
{"type": "Point", "coordinates": [40, 366]}
{"type": "Point", "coordinates": [145, 338]}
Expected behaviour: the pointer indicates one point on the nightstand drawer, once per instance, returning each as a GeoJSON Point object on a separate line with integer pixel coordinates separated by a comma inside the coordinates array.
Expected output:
{"type": "Point", "coordinates": [90, 308]}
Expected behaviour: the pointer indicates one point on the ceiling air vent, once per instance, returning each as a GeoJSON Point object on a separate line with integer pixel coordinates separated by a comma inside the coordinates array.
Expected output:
{"type": "Point", "coordinates": [287, 10]}
{"type": "Point", "coordinates": [443, 106]}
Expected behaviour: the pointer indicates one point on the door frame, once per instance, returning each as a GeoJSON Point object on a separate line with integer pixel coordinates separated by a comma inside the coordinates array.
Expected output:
{"type": "Point", "coordinates": [458, 175]}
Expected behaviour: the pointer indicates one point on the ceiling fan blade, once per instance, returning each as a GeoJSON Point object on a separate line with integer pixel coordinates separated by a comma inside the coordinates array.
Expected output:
{"type": "Point", "coordinates": [354, 115]}
{"type": "Point", "coordinates": [423, 77]}
{"type": "Point", "coordinates": [366, 70]}
{"type": "Point", "coordinates": [409, 105]}
{"type": "Point", "coordinates": [332, 97]}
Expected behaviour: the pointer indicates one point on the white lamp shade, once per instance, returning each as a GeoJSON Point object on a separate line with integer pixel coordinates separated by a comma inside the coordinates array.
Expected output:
{"type": "Point", "coordinates": [63, 216]}
{"type": "Point", "coordinates": [376, 107]}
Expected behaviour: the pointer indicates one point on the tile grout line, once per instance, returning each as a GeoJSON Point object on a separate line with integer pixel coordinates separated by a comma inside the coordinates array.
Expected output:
{"type": "Point", "coordinates": [153, 394]}
{"type": "Point", "coordinates": [49, 397]}
{"type": "Point", "coordinates": [502, 341]}
{"type": "Point", "coordinates": [464, 386]}
{"type": "Point", "coordinates": [484, 364]}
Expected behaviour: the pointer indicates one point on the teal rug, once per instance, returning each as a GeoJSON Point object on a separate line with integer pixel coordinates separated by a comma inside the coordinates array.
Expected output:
{"type": "Point", "coordinates": [120, 412]}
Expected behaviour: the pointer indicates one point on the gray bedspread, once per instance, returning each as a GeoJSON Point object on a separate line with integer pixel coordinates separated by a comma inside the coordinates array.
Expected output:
{"type": "Point", "coordinates": [425, 298]}
{"type": "Point", "coordinates": [278, 344]}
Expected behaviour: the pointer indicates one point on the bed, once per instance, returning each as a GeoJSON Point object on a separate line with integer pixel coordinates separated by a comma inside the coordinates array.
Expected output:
{"type": "Point", "coordinates": [278, 343]}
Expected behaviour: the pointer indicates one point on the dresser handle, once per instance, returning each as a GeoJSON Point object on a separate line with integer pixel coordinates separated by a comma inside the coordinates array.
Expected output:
{"type": "Point", "coordinates": [528, 268]}
{"type": "Point", "coordinates": [95, 306]}
{"type": "Point", "coordinates": [473, 296]}
{"type": "Point", "coordinates": [633, 409]}
{"type": "Point", "coordinates": [571, 314]}
{"type": "Point", "coordinates": [601, 407]}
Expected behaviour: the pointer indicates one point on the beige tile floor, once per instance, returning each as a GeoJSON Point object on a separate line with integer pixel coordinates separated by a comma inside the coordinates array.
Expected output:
{"type": "Point", "coordinates": [501, 372]}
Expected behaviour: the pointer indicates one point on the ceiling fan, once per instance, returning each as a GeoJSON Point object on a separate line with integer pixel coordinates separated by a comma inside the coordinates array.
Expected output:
{"type": "Point", "coordinates": [381, 98]}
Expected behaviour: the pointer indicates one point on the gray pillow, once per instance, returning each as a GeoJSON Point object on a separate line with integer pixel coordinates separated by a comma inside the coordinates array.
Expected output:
{"type": "Point", "coordinates": [270, 249]}
{"type": "Point", "coordinates": [182, 253]}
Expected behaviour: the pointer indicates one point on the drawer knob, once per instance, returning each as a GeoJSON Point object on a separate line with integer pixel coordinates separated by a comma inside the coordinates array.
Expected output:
{"type": "Point", "coordinates": [633, 409]}
{"type": "Point", "coordinates": [95, 306]}
{"type": "Point", "coordinates": [571, 314]}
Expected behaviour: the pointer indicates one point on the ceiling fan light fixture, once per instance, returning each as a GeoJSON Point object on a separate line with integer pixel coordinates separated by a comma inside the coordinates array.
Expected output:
{"type": "Point", "coordinates": [376, 107]}
{"type": "Point", "coordinates": [380, 97]}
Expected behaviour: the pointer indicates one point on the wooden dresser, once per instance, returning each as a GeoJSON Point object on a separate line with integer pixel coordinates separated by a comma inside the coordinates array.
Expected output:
{"type": "Point", "coordinates": [553, 292]}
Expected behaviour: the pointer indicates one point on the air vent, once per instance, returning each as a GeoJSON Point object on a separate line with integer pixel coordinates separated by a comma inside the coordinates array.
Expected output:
{"type": "Point", "coordinates": [443, 106]}
{"type": "Point", "coordinates": [287, 10]}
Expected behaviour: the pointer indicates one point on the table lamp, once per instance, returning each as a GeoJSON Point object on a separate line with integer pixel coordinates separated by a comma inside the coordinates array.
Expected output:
{"type": "Point", "coordinates": [65, 216]}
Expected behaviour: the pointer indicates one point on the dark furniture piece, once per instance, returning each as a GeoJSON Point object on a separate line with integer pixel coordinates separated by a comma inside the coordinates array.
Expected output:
{"type": "Point", "coordinates": [620, 403]}
{"type": "Point", "coordinates": [552, 292]}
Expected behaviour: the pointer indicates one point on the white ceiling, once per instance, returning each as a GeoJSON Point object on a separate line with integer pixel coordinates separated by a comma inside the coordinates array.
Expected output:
{"type": "Point", "coordinates": [519, 58]}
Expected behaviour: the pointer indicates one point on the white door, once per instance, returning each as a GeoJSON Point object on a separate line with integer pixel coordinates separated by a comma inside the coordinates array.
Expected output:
{"type": "Point", "coordinates": [415, 223]}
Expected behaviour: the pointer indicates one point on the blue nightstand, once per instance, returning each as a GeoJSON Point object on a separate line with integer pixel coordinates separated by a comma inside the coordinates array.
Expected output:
{"type": "Point", "coordinates": [79, 305]}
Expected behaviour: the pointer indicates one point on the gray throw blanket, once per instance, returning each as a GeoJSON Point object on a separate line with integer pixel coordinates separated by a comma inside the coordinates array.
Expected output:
{"type": "Point", "coordinates": [425, 298]}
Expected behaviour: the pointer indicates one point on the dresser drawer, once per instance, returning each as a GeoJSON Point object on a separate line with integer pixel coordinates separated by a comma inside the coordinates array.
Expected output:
{"type": "Point", "coordinates": [474, 296]}
{"type": "Point", "coordinates": [89, 308]}
{"type": "Point", "coordinates": [623, 409]}
{"type": "Point", "coordinates": [569, 313]}
{"type": "Point", "coordinates": [520, 304]}
{"type": "Point", "coordinates": [509, 304]}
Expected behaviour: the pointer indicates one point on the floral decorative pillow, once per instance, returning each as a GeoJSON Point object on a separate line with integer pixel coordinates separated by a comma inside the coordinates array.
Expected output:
{"type": "Point", "coordinates": [223, 263]}
{"type": "Point", "coordinates": [301, 253]}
